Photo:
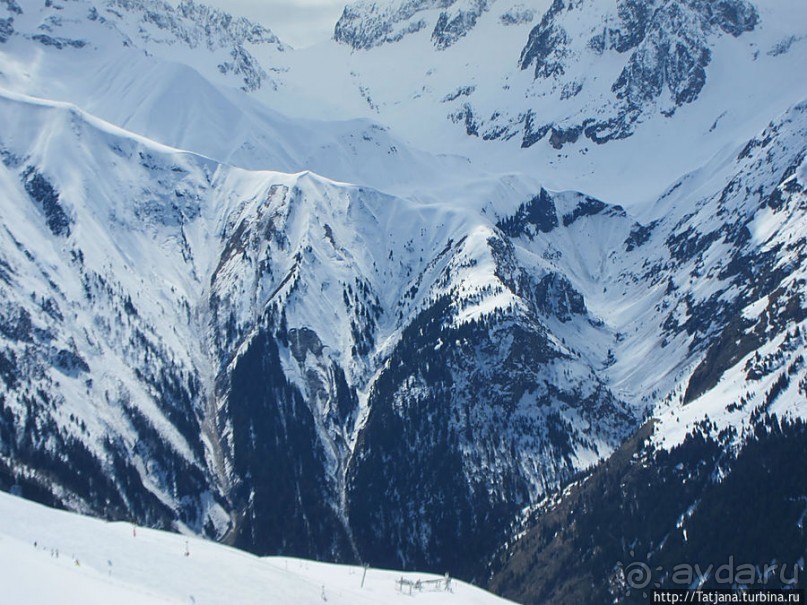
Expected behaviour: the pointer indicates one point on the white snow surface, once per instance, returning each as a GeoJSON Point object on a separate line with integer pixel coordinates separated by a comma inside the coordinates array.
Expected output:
{"type": "Point", "coordinates": [344, 110]}
{"type": "Point", "coordinates": [102, 563]}
{"type": "Point", "coordinates": [339, 172]}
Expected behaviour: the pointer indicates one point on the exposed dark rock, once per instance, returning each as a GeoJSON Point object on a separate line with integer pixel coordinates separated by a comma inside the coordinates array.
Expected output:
{"type": "Point", "coordinates": [670, 50]}
{"type": "Point", "coordinates": [539, 212]}
{"type": "Point", "coordinates": [639, 235]}
{"type": "Point", "coordinates": [556, 296]}
{"type": "Point", "coordinates": [6, 29]}
{"type": "Point", "coordinates": [546, 47]}
{"type": "Point", "coordinates": [59, 43]}
{"type": "Point", "coordinates": [561, 136]}
{"type": "Point", "coordinates": [365, 25]}
{"type": "Point", "coordinates": [450, 28]}
{"type": "Point", "coordinates": [533, 133]}
{"type": "Point", "coordinates": [12, 6]}
{"type": "Point", "coordinates": [517, 16]}
{"type": "Point", "coordinates": [466, 116]}
{"type": "Point", "coordinates": [244, 64]}
{"type": "Point", "coordinates": [588, 207]}
{"type": "Point", "coordinates": [673, 55]}
{"type": "Point", "coordinates": [462, 91]}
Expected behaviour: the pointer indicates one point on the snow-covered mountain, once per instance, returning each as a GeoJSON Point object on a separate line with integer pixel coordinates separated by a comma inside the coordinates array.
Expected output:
{"type": "Point", "coordinates": [287, 309]}
{"type": "Point", "coordinates": [377, 299]}
{"type": "Point", "coordinates": [717, 456]}
{"type": "Point", "coordinates": [553, 81]}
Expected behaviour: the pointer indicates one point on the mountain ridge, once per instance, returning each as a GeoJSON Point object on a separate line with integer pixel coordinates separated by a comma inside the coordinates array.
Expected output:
{"type": "Point", "coordinates": [272, 357]}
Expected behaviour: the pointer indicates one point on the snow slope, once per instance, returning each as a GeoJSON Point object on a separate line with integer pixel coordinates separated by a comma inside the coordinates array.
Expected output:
{"type": "Point", "coordinates": [102, 563]}
{"type": "Point", "coordinates": [295, 331]}
{"type": "Point", "coordinates": [157, 70]}
{"type": "Point", "coordinates": [477, 97]}
{"type": "Point", "coordinates": [111, 237]}
{"type": "Point", "coordinates": [169, 89]}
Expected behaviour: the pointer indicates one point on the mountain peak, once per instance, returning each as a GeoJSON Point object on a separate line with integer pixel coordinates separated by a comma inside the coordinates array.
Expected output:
{"type": "Point", "coordinates": [307, 336]}
{"type": "Point", "coordinates": [668, 46]}
{"type": "Point", "coordinates": [366, 24]}
{"type": "Point", "coordinates": [157, 27]}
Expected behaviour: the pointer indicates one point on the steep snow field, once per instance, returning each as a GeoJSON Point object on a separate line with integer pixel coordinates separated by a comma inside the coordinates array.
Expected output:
{"type": "Point", "coordinates": [335, 110]}
{"type": "Point", "coordinates": [481, 71]}
{"type": "Point", "coordinates": [104, 563]}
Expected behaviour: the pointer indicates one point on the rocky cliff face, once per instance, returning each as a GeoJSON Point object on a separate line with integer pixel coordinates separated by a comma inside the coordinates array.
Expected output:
{"type": "Point", "coordinates": [731, 416]}
{"type": "Point", "coordinates": [666, 48]}
{"type": "Point", "coordinates": [213, 35]}
{"type": "Point", "coordinates": [364, 25]}
{"type": "Point", "coordinates": [352, 389]}
{"type": "Point", "coordinates": [662, 49]}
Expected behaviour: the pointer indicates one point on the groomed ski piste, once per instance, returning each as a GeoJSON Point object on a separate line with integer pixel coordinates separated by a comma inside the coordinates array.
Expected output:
{"type": "Point", "coordinates": [52, 556]}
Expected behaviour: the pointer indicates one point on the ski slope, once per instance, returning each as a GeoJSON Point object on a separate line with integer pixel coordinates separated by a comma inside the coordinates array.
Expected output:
{"type": "Point", "coordinates": [117, 563]}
